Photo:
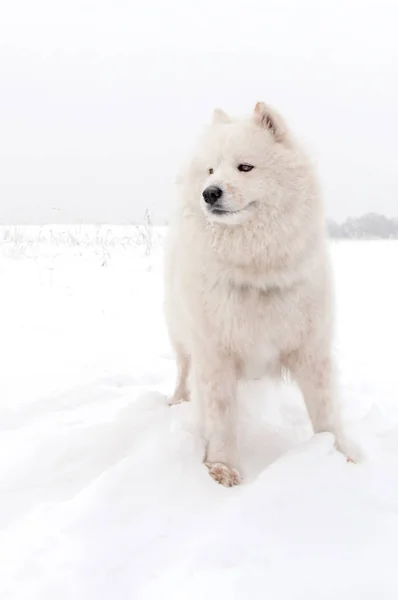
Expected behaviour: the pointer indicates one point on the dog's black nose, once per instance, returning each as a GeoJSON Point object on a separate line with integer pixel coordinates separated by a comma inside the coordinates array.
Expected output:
{"type": "Point", "coordinates": [211, 194]}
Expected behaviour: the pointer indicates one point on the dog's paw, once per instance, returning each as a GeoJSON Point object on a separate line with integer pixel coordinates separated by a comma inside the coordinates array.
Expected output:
{"type": "Point", "coordinates": [223, 474]}
{"type": "Point", "coordinates": [350, 450]}
{"type": "Point", "coordinates": [178, 400]}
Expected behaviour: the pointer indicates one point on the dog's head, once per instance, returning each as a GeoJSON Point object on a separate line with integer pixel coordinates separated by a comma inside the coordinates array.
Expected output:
{"type": "Point", "coordinates": [245, 167]}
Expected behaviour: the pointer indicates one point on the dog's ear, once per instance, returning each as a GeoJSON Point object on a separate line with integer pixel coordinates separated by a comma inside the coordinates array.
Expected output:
{"type": "Point", "coordinates": [269, 119]}
{"type": "Point", "coordinates": [219, 116]}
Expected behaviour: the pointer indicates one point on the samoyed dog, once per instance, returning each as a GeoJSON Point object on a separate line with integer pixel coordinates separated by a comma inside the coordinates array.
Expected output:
{"type": "Point", "coordinates": [247, 278]}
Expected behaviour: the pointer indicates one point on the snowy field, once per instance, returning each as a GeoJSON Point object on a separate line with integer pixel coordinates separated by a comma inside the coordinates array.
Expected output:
{"type": "Point", "coordinates": [102, 492]}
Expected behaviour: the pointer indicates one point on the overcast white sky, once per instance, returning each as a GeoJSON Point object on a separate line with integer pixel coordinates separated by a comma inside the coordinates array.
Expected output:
{"type": "Point", "coordinates": [99, 99]}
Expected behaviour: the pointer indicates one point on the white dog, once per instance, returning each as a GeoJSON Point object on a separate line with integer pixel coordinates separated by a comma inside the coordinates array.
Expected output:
{"type": "Point", "coordinates": [247, 286]}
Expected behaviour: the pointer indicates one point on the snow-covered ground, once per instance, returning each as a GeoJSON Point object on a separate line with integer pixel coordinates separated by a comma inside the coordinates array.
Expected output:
{"type": "Point", "coordinates": [102, 492]}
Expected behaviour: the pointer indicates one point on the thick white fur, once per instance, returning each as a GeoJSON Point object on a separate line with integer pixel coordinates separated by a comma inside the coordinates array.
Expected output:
{"type": "Point", "coordinates": [249, 293]}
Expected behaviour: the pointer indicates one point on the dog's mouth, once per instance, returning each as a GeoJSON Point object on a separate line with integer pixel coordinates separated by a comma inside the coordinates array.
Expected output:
{"type": "Point", "coordinates": [220, 212]}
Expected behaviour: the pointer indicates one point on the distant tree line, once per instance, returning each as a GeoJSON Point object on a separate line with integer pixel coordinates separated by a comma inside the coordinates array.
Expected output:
{"type": "Point", "coordinates": [369, 226]}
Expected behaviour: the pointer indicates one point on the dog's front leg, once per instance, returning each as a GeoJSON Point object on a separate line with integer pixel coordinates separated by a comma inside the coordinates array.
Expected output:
{"type": "Point", "coordinates": [314, 374]}
{"type": "Point", "coordinates": [215, 385]}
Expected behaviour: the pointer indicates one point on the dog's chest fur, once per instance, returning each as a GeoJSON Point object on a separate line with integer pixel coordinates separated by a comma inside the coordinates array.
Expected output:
{"type": "Point", "coordinates": [257, 325]}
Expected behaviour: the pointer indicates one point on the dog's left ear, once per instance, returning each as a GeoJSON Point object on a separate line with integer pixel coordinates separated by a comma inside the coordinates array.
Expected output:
{"type": "Point", "coordinates": [220, 117]}
{"type": "Point", "coordinates": [269, 119]}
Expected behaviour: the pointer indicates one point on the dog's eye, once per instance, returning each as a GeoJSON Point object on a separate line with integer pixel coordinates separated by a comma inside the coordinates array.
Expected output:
{"type": "Point", "coordinates": [211, 171]}
{"type": "Point", "coordinates": [245, 167]}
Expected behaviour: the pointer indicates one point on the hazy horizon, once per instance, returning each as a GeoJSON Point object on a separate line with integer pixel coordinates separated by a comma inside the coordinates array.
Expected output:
{"type": "Point", "coordinates": [100, 101]}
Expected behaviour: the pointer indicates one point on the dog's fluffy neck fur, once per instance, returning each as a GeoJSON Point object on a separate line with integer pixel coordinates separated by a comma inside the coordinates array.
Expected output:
{"type": "Point", "coordinates": [268, 264]}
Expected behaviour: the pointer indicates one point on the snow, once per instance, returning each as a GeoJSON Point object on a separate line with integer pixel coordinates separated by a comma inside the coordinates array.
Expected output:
{"type": "Point", "coordinates": [102, 492]}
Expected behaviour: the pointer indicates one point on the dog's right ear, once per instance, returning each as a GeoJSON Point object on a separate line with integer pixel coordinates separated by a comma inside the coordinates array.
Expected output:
{"type": "Point", "coordinates": [220, 117]}
{"type": "Point", "coordinates": [268, 118]}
